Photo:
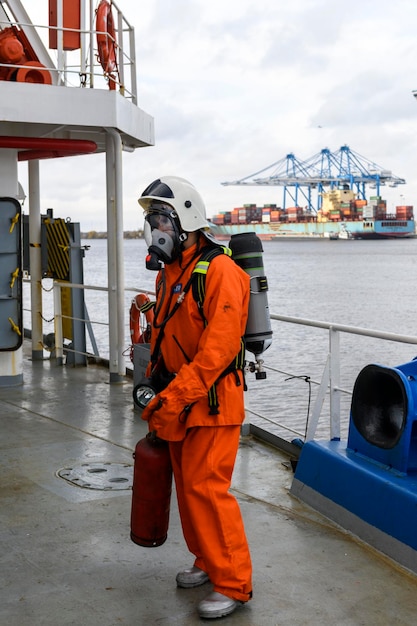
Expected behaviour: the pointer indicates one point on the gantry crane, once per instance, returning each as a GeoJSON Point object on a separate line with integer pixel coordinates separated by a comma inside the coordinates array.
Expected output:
{"type": "Point", "coordinates": [321, 173]}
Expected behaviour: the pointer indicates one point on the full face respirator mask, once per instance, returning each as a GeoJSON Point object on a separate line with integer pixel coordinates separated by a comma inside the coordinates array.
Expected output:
{"type": "Point", "coordinates": [163, 236]}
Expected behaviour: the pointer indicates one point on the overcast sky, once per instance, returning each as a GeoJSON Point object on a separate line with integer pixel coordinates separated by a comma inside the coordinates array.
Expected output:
{"type": "Point", "coordinates": [235, 85]}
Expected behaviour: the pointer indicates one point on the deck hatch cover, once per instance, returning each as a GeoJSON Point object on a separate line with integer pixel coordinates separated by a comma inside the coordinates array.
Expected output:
{"type": "Point", "coordinates": [102, 476]}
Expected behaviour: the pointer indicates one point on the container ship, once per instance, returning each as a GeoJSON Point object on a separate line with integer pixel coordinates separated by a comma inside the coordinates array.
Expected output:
{"type": "Point", "coordinates": [341, 216]}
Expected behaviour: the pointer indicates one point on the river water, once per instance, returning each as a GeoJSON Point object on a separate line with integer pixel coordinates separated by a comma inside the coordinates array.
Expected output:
{"type": "Point", "coordinates": [369, 284]}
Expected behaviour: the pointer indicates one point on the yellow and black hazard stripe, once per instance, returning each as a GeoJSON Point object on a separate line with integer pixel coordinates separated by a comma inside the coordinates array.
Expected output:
{"type": "Point", "coordinates": [58, 246]}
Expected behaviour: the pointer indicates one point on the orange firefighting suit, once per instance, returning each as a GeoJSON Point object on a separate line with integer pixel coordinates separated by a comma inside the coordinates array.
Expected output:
{"type": "Point", "coordinates": [203, 446]}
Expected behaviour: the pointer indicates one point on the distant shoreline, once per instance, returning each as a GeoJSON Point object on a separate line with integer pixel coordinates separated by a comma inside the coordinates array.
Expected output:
{"type": "Point", "coordinates": [128, 234]}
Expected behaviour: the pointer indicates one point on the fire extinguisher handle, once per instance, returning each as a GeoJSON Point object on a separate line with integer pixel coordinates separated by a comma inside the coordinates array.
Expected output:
{"type": "Point", "coordinates": [152, 437]}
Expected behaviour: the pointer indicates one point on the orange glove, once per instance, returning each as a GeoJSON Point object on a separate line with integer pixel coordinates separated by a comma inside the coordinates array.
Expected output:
{"type": "Point", "coordinates": [167, 416]}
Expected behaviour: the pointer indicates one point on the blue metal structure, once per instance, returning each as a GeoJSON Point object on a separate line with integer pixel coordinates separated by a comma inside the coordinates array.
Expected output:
{"type": "Point", "coordinates": [11, 331]}
{"type": "Point", "coordinates": [322, 172]}
{"type": "Point", "coordinates": [369, 483]}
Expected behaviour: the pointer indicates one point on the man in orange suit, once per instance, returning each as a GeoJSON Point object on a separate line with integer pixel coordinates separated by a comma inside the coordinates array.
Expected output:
{"type": "Point", "coordinates": [201, 410]}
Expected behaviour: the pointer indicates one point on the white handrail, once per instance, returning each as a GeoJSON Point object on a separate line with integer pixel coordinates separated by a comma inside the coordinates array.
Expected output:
{"type": "Point", "coordinates": [330, 379]}
{"type": "Point", "coordinates": [80, 66]}
{"type": "Point", "coordinates": [354, 330]}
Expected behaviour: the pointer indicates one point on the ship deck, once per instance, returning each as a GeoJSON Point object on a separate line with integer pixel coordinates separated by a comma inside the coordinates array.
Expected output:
{"type": "Point", "coordinates": [66, 553]}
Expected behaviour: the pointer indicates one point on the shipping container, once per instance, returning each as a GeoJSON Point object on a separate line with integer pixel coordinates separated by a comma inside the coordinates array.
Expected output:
{"type": "Point", "coordinates": [368, 212]}
{"type": "Point", "coordinates": [404, 212]}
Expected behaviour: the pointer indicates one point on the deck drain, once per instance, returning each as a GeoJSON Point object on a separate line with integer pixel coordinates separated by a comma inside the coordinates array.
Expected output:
{"type": "Point", "coordinates": [101, 476]}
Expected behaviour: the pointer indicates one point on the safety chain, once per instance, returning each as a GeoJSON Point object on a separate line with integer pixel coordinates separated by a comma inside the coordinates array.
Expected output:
{"type": "Point", "coordinates": [46, 320]}
{"type": "Point", "coordinates": [307, 379]}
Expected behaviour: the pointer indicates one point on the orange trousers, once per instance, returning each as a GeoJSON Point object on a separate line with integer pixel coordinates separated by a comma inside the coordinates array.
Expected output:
{"type": "Point", "coordinates": [210, 515]}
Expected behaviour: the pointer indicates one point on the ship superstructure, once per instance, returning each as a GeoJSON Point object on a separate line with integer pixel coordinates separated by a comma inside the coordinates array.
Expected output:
{"type": "Point", "coordinates": [68, 88]}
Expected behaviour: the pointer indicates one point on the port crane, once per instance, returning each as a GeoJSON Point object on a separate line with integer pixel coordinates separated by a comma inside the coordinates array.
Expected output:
{"type": "Point", "coordinates": [324, 171]}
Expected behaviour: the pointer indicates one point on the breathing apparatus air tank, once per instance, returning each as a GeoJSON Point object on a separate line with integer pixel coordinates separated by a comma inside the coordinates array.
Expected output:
{"type": "Point", "coordinates": [247, 253]}
{"type": "Point", "coordinates": [151, 496]}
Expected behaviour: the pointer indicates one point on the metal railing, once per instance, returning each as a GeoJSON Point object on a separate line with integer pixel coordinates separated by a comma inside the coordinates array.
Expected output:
{"type": "Point", "coordinates": [59, 316]}
{"type": "Point", "coordinates": [330, 380]}
{"type": "Point", "coordinates": [327, 387]}
{"type": "Point", "coordinates": [80, 67]}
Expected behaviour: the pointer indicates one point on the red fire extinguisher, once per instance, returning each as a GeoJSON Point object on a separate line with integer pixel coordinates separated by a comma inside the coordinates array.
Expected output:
{"type": "Point", "coordinates": [151, 498]}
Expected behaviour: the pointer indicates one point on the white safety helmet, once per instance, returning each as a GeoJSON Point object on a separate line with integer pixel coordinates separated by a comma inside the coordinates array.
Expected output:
{"type": "Point", "coordinates": [182, 196]}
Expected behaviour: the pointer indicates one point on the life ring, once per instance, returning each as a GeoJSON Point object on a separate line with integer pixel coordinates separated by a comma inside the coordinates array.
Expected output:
{"type": "Point", "coordinates": [106, 40]}
{"type": "Point", "coordinates": [141, 318]}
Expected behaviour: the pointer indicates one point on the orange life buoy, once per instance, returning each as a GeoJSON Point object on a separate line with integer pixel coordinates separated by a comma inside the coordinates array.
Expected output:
{"type": "Point", "coordinates": [140, 329]}
{"type": "Point", "coordinates": [106, 40]}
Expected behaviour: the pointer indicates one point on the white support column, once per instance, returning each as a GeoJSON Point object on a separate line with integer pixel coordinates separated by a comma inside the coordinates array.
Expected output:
{"type": "Point", "coordinates": [121, 312]}
{"type": "Point", "coordinates": [318, 405]}
{"type": "Point", "coordinates": [334, 340]}
{"type": "Point", "coordinates": [115, 255]}
{"type": "Point", "coordinates": [35, 260]}
{"type": "Point", "coordinates": [59, 336]}
{"type": "Point", "coordinates": [11, 363]}
{"type": "Point", "coordinates": [111, 256]}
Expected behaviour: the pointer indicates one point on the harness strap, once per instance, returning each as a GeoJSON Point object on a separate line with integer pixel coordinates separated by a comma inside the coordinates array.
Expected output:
{"type": "Point", "coordinates": [199, 293]}
{"type": "Point", "coordinates": [155, 354]}
{"type": "Point", "coordinates": [197, 282]}
{"type": "Point", "coordinates": [199, 274]}
{"type": "Point", "coordinates": [238, 363]}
